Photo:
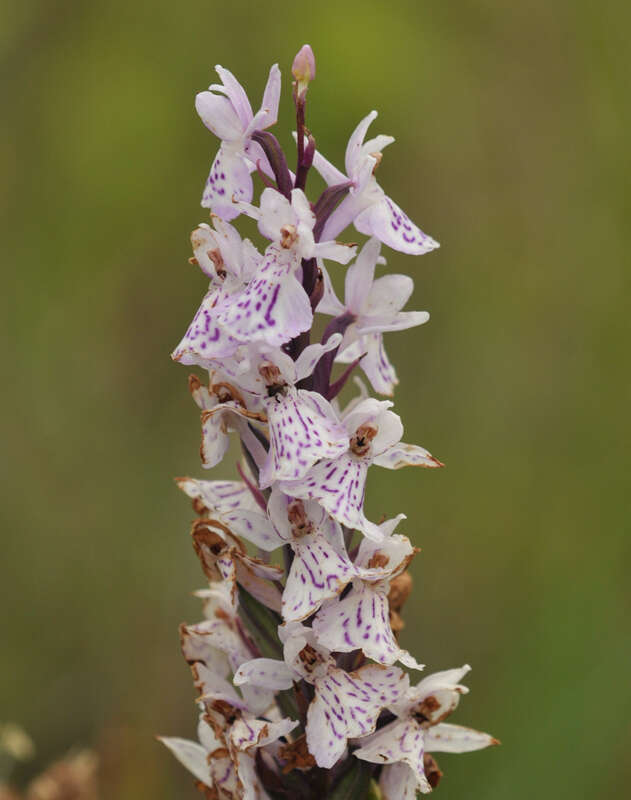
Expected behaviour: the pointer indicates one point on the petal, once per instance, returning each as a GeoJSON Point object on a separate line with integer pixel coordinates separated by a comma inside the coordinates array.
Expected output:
{"type": "Point", "coordinates": [219, 116]}
{"type": "Point", "coordinates": [447, 738]}
{"type": "Point", "coordinates": [399, 782]}
{"type": "Point", "coordinates": [221, 496]}
{"type": "Point", "coordinates": [215, 438]}
{"type": "Point", "coordinates": [274, 307]}
{"type": "Point", "coordinates": [303, 429]}
{"type": "Point", "coordinates": [266, 673]}
{"type": "Point", "coordinates": [361, 621]}
{"type": "Point", "coordinates": [338, 485]}
{"type": "Point", "coordinates": [191, 755]}
{"type": "Point", "coordinates": [331, 174]}
{"type": "Point", "coordinates": [401, 740]}
{"type": "Point", "coordinates": [400, 321]}
{"type": "Point", "coordinates": [342, 217]}
{"type": "Point", "coordinates": [354, 147]}
{"type": "Point", "coordinates": [395, 553]}
{"type": "Point", "coordinates": [330, 303]}
{"type": "Point", "coordinates": [388, 295]}
{"type": "Point", "coordinates": [385, 220]}
{"type": "Point", "coordinates": [443, 691]}
{"type": "Point", "coordinates": [342, 253]}
{"type": "Point", "coordinates": [246, 734]}
{"type": "Point", "coordinates": [204, 244]}
{"type": "Point", "coordinates": [271, 97]}
{"type": "Point", "coordinates": [359, 276]}
{"type": "Point", "coordinates": [205, 339]}
{"type": "Point", "coordinates": [406, 455]}
{"type": "Point", "coordinates": [254, 527]}
{"type": "Point", "coordinates": [347, 705]}
{"type": "Point", "coordinates": [377, 366]}
{"type": "Point", "coordinates": [229, 182]}
{"type": "Point", "coordinates": [318, 572]}
{"type": "Point", "coordinates": [236, 94]}
{"type": "Point", "coordinates": [307, 360]}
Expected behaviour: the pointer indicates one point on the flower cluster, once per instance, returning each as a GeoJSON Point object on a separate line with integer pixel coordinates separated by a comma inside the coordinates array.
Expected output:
{"type": "Point", "coordinates": [298, 665]}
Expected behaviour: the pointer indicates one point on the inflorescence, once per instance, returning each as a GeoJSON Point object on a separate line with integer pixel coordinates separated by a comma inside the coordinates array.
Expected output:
{"type": "Point", "coordinates": [300, 694]}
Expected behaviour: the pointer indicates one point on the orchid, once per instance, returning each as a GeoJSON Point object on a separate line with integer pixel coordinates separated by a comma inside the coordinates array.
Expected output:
{"type": "Point", "coordinates": [296, 660]}
{"type": "Point", "coordinates": [420, 729]}
{"type": "Point", "coordinates": [226, 111]}
{"type": "Point", "coordinates": [375, 307]}
{"type": "Point", "coordinates": [339, 484]}
{"type": "Point", "coordinates": [367, 205]}
{"type": "Point", "coordinates": [345, 704]}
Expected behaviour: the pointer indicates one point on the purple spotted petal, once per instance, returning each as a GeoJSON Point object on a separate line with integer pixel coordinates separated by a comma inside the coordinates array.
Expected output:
{"type": "Point", "coordinates": [338, 485]}
{"type": "Point", "coordinates": [229, 182]}
{"type": "Point", "coordinates": [273, 308]}
{"type": "Point", "coordinates": [318, 572]}
{"type": "Point", "coordinates": [221, 496]}
{"type": "Point", "coordinates": [303, 429]}
{"type": "Point", "coordinates": [361, 621]}
{"type": "Point", "coordinates": [205, 338]}
{"type": "Point", "coordinates": [401, 741]}
{"type": "Point", "coordinates": [347, 705]}
{"type": "Point", "coordinates": [246, 734]}
{"type": "Point", "coordinates": [385, 220]}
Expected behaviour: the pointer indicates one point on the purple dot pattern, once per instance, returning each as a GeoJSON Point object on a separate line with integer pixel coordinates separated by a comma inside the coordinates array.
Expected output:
{"type": "Point", "coordinates": [361, 622]}
{"type": "Point", "coordinates": [303, 429]}
{"type": "Point", "coordinates": [376, 364]}
{"type": "Point", "coordinates": [229, 180]}
{"type": "Point", "coordinates": [304, 463]}
{"type": "Point", "coordinates": [274, 307]}
{"type": "Point", "coordinates": [338, 485]}
{"type": "Point", "coordinates": [222, 496]}
{"type": "Point", "coordinates": [391, 225]}
{"type": "Point", "coordinates": [346, 705]}
{"type": "Point", "coordinates": [318, 572]}
{"type": "Point", "coordinates": [400, 741]}
{"type": "Point", "coordinates": [205, 339]}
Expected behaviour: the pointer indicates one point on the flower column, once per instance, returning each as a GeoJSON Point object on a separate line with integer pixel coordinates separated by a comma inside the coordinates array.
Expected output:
{"type": "Point", "coordinates": [296, 663]}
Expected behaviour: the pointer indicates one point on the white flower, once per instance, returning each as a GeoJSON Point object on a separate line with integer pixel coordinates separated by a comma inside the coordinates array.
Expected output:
{"type": "Point", "coordinates": [375, 305]}
{"type": "Point", "coordinates": [420, 729]}
{"type": "Point", "coordinates": [321, 567]}
{"type": "Point", "coordinates": [226, 111]}
{"type": "Point", "coordinates": [229, 262]}
{"type": "Point", "coordinates": [361, 620]}
{"type": "Point", "coordinates": [339, 484]}
{"type": "Point", "coordinates": [274, 307]}
{"type": "Point", "coordinates": [367, 205]}
{"type": "Point", "coordinates": [303, 426]}
{"type": "Point", "coordinates": [345, 704]}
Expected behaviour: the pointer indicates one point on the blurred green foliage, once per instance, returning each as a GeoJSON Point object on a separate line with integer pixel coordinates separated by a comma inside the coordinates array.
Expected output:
{"type": "Point", "coordinates": [512, 150]}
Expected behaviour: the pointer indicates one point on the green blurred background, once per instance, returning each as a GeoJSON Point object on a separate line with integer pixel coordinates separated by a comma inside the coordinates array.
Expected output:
{"type": "Point", "coordinates": [512, 150]}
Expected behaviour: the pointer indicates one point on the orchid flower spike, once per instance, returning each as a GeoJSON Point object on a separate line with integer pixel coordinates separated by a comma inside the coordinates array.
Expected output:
{"type": "Point", "coordinates": [296, 659]}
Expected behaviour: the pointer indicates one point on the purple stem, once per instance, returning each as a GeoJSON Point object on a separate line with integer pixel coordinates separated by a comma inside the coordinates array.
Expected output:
{"type": "Point", "coordinates": [322, 373]}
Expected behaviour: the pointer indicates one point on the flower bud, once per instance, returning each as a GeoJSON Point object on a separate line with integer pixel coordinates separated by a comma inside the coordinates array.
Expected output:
{"type": "Point", "coordinates": [304, 69]}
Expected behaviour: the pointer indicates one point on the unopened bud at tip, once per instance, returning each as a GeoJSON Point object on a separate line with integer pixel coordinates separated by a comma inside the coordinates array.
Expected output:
{"type": "Point", "coordinates": [304, 68]}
